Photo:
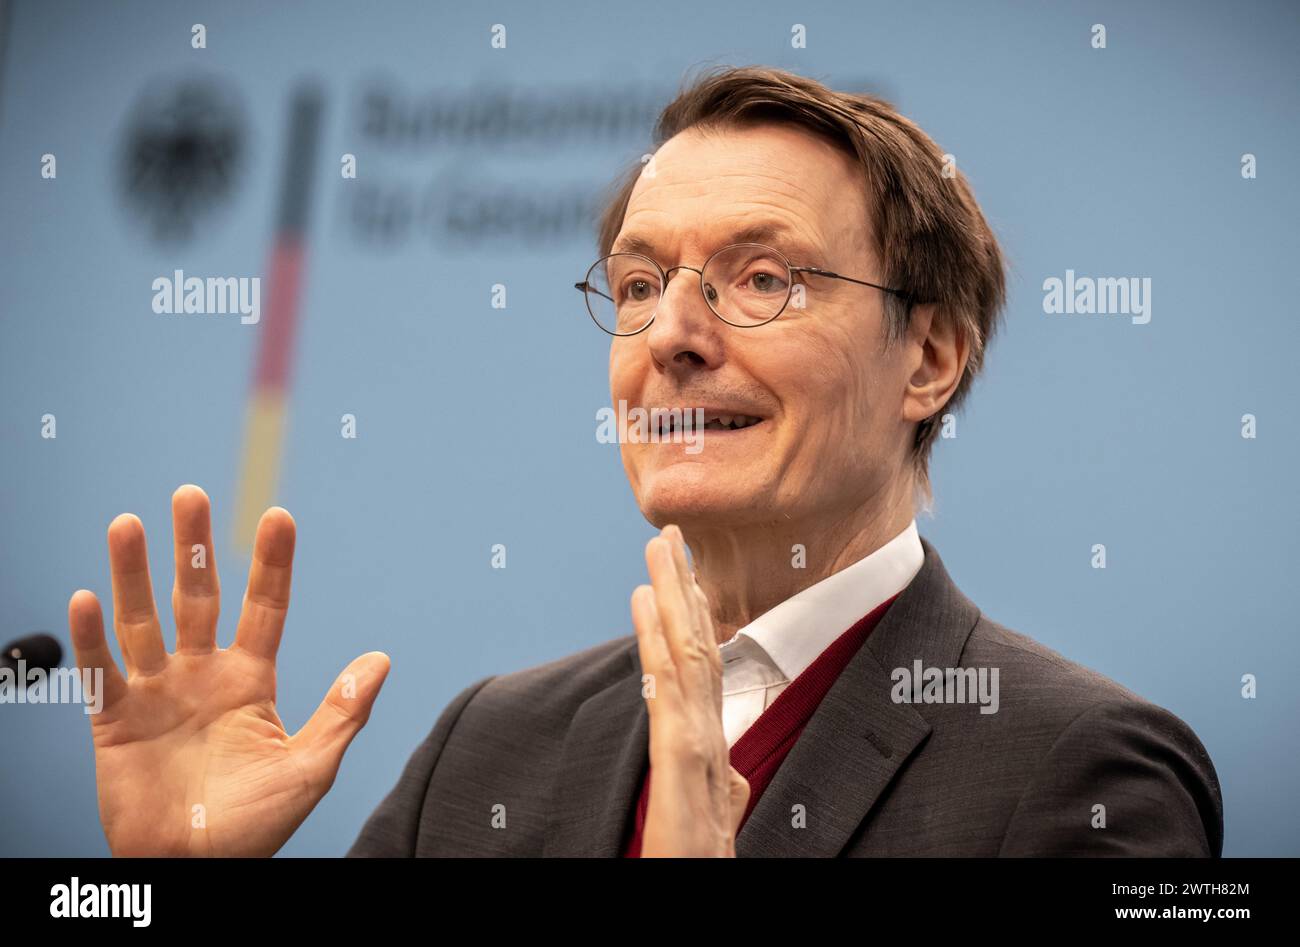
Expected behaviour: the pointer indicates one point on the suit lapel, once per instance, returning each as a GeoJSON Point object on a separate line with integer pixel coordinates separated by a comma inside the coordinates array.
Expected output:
{"type": "Point", "coordinates": [858, 738]}
{"type": "Point", "coordinates": [602, 765]}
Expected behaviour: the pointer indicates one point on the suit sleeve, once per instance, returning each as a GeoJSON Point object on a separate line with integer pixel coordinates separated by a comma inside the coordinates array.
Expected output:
{"type": "Point", "coordinates": [1148, 770]}
{"type": "Point", "coordinates": [393, 827]}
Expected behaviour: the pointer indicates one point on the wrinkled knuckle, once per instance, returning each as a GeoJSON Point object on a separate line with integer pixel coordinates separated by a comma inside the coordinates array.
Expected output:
{"type": "Point", "coordinates": [694, 652]}
{"type": "Point", "coordinates": [693, 750]}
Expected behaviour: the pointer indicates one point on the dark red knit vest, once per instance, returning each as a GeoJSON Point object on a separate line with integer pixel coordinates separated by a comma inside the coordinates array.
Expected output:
{"type": "Point", "coordinates": [761, 749]}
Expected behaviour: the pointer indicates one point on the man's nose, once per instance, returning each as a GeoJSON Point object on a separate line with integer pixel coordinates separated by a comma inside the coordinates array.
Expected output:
{"type": "Point", "coordinates": [685, 333]}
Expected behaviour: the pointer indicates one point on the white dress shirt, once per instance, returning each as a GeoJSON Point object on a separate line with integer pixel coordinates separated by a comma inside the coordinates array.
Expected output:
{"type": "Point", "coordinates": [761, 659]}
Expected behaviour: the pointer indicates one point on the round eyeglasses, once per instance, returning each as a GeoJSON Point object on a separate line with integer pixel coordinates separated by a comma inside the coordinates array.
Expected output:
{"type": "Point", "coordinates": [745, 284]}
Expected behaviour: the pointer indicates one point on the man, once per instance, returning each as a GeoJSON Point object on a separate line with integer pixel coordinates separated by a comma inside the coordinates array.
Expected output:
{"type": "Point", "coordinates": [795, 270]}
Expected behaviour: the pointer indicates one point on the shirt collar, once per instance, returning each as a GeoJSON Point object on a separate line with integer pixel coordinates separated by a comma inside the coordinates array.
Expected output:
{"type": "Point", "coordinates": [795, 632]}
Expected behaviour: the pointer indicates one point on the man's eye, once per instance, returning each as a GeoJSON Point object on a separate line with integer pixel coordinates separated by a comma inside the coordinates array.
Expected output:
{"type": "Point", "coordinates": [761, 282]}
{"type": "Point", "coordinates": [638, 290]}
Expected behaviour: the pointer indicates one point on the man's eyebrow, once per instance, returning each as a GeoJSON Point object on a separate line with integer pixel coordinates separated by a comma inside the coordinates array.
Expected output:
{"type": "Point", "coordinates": [773, 235]}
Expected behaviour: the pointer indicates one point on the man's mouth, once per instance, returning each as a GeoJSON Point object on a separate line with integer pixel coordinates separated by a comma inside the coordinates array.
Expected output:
{"type": "Point", "coordinates": [688, 419]}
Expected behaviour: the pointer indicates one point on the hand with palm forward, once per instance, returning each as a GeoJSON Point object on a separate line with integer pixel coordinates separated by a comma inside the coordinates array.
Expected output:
{"type": "Point", "coordinates": [190, 755]}
{"type": "Point", "coordinates": [697, 798]}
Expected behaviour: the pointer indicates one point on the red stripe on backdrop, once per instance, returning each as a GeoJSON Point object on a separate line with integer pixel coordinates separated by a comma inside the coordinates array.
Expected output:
{"type": "Point", "coordinates": [281, 316]}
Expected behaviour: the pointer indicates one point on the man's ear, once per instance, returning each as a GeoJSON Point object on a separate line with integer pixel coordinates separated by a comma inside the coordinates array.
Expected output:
{"type": "Point", "coordinates": [936, 358]}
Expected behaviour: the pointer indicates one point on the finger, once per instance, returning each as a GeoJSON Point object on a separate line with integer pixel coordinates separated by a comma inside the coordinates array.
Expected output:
{"type": "Point", "coordinates": [196, 594]}
{"type": "Point", "coordinates": [676, 614]}
{"type": "Point", "coordinates": [656, 662]}
{"type": "Point", "coordinates": [324, 738]}
{"type": "Point", "coordinates": [677, 542]}
{"type": "Point", "coordinates": [701, 623]}
{"type": "Point", "coordinates": [705, 621]}
{"type": "Point", "coordinates": [710, 681]}
{"type": "Point", "coordinates": [135, 618]}
{"type": "Point", "coordinates": [701, 619]}
{"type": "Point", "coordinates": [266, 600]}
{"type": "Point", "coordinates": [86, 628]}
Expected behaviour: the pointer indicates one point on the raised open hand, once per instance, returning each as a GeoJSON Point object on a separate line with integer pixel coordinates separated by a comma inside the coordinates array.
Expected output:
{"type": "Point", "coordinates": [190, 755]}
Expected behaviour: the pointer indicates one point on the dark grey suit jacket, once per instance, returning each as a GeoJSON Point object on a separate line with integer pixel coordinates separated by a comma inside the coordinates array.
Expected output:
{"type": "Point", "coordinates": [563, 749]}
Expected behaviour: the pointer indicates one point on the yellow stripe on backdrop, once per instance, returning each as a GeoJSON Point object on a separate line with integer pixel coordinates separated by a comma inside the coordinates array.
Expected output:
{"type": "Point", "coordinates": [263, 442]}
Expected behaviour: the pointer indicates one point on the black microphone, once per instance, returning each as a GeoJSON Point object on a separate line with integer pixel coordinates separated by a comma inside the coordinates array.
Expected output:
{"type": "Point", "coordinates": [39, 651]}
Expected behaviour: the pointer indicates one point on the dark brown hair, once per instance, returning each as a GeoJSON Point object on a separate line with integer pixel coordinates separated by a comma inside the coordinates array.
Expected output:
{"type": "Point", "coordinates": [930, 236]}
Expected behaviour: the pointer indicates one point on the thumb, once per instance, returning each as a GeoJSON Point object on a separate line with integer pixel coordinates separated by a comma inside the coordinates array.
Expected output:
{"type": "Point", "coordinates": [323, 739]}
{"type": "Point", "coordinates": [739, 791]}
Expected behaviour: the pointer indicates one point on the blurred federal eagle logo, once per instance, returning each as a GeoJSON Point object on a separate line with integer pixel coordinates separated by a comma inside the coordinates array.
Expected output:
{"type": "Point", "coordinates": [183, 152]}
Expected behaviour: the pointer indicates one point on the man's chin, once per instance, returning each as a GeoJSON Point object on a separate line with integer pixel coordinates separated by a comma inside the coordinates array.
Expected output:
{"type": "Point", "coordinates": [686, 496]}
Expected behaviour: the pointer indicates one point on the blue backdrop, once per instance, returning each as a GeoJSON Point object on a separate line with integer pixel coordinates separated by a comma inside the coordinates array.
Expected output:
{"type": "Point", "coordinates": [479, 166]}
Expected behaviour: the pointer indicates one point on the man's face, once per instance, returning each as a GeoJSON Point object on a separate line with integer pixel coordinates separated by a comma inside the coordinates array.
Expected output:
{"type": "Point", "coordinates": [828, 396]}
